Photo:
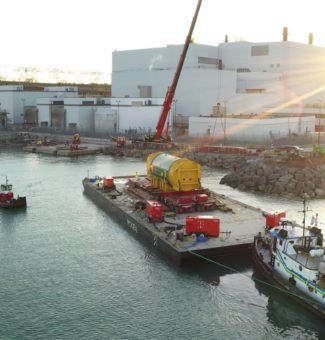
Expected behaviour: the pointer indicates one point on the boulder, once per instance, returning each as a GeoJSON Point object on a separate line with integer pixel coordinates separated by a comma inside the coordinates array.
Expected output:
{"type": "Point", "coordinates": [319, 193]}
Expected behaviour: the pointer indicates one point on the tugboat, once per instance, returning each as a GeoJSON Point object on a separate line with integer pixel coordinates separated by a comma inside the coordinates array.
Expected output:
{"type": "Point", "coordinates": [292, 256]}
{"type": "Point", "coordinates": [7, 199]}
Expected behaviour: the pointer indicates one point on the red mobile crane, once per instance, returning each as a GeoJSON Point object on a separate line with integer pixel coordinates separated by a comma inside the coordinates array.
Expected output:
{"type": "Point", "coordinates": [158, 136]}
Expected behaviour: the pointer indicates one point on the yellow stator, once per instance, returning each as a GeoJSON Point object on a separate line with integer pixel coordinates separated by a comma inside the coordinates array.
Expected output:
{"type": "Point", "coordinates": [171, 173]}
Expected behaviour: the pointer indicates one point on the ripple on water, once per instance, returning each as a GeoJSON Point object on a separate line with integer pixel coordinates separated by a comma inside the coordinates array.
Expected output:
{"type": "Point", "coordinates": [68, 271]}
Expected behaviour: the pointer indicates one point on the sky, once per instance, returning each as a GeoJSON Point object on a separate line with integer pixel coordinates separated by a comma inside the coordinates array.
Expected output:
{"type": "Point", "coordinates": [52, 40]}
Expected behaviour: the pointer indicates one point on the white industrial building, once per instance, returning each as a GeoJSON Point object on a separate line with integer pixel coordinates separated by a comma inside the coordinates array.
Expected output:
{"type": "Point", "coordinates": [66, 113]}
{"type": "Point", "coordinates": [245, 77]}
{"type": "Point", "coordinates": [20, 105]}
{"type": "Point", "coordinates": [99, 115]}
{"type": "Point", "coordinates": [251, 129]}
{"type": "Point", "coordinates": [223, 83]}
{"type": "Point", "coordinates": [235, 78]}
{"type": "Point", "coordinates": [60, 108]}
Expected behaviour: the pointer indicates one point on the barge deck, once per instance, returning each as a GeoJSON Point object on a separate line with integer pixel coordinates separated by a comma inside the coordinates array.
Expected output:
{"type": "Point", "coordinates": [239, 223]}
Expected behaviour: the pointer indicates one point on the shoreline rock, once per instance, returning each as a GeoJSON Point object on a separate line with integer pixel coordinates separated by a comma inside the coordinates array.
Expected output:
{"type": "Point", "coordinates": [292, 181]}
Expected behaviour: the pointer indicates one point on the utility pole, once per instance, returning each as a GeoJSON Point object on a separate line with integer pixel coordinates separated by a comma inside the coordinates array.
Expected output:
{"type": "Point", "coordinates": [24, 114]}
{"type": "Point", "coordinates": [319, 120]}
{"type": "Point", "coordinates": [225, 123]}
{"type": "Point", "coordinates": [118, 116]}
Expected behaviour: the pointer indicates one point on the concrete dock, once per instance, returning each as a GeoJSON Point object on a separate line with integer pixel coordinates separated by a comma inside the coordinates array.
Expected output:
{"type": "Point", "coordinates": [62, 150]}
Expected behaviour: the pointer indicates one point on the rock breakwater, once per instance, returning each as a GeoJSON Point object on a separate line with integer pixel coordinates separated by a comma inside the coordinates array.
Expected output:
{"type": "Point", "coordinates": [268, 177]}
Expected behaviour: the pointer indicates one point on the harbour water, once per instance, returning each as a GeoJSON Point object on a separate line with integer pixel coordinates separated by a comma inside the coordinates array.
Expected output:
{"type": "Point", "coordinates": [69, 271]}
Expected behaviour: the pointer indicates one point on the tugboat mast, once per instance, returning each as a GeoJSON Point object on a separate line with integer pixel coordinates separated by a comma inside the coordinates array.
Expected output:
{"type": "Point", "coordinates": [304, 218]}
{"type": "Point", "coordinates": [304, 211]}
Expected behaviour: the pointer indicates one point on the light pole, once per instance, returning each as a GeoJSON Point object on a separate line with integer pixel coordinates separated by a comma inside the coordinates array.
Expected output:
{"type": "Point", "coordinates": [118, 116]}
{"type": "Point", "coordinates": [2, 117]}
{"type": "Point", "coordinates": [225, 123]}
{"type": "Point", "coordinates": [23, 114]}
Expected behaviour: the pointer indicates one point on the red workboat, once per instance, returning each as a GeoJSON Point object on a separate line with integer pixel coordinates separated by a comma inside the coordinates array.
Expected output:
{"type": "Point", "coordinates": [7, 199]}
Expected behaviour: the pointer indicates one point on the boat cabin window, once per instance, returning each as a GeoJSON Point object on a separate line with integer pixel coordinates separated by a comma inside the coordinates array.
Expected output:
{"type": "Point", "coordinates": [319, 241]}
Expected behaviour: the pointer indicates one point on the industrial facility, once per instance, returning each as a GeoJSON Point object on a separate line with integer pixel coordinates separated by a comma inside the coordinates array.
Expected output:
{"type": "Point", "coordinates": [241, 77]}
{"type": "Point", "coordinates": [63, 109]}
{"type": "Point", "coordinates": [221, 88]}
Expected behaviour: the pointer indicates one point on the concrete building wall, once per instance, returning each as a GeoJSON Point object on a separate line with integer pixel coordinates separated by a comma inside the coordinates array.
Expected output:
{"type": "Point", "coordinates": [134, 101]}
{"type": "Point", "coordinates": [287, 73]}
{"type": "Point", "coordinates": [70, 90]}
{"type": "Point", "coordinates": [44, 116]}
{"type": "Point", "coordinates": [251, 103]}
{"type": "Point", "coordinates": [301, 66]}
{"type": "Point", "coordinates": [115, 116]}
{"type": "Point", "coordinates": [123, 118]}
{"type": "Point", "coordinates": [143, 118]}
{"type": "Point", "coordinates": [79, 112]}
{"type": "Point", "coordinates": [84, 116]}
{"type": "Point", "coordinates": [161, 58]}
{"type": "Point", "coordinates": [105, 120]}
{"type": "Point", "coordinates": [247, 82]}
{"type": "Point", "coordinates": [13, 99]}
{"type": "Point", "coordinates": [197, 92]}
{"type": "Point", "coordinates": [259, 130]}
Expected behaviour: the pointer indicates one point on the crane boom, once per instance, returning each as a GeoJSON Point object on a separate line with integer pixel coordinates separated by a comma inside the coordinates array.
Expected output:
{"type": "Point", "coordinates": [171, 90]}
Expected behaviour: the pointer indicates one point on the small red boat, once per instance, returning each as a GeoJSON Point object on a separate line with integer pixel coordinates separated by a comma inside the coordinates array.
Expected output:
{"type": "Point", "coordinates": [7, 199]}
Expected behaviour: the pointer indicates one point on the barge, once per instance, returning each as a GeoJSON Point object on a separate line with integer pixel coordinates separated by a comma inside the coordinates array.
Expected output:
{"type": "Point", "coordinates": [210, 226]}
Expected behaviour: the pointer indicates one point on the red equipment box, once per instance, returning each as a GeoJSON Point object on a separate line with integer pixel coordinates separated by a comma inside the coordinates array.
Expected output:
{"type": "Point", "coordinates": [108, 182]}
{"type": "Point", "coordinates": [273, 219]}
{"type": "Point", "coordinates": [208, 225]}
{"type": "Point", "coordinates": [154, 211]}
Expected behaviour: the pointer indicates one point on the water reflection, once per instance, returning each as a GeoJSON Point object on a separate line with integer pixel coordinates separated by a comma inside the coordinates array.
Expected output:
{"type": "Point", "coordinates": [212, 271]}
{"type": "Point", "coordinates": [284, 313]}
{"type": "Point", "coordinates": [9, 218]}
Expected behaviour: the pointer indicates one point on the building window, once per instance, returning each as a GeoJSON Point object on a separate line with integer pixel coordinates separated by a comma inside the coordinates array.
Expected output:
{"type": "Point", "coordinates": [209, 61]}
{"type": "Point", "coordinates": [145, 91]}
{"type": "Point", "coordinates": [240, 70]}
{"type": "Point", "coordinates": [259, 50]}
{"type": "Point", "coordinates": [58, 102]}
{"type": "Point", "coordinates": [255, 90]}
